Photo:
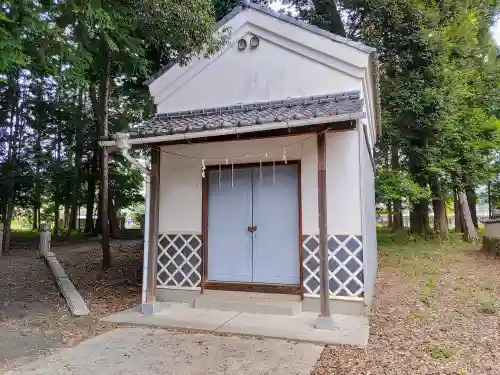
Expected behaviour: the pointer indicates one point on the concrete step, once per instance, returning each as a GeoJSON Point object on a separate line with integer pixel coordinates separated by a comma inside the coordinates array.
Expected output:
{"type": "Point", "coordinates": [255, 305]}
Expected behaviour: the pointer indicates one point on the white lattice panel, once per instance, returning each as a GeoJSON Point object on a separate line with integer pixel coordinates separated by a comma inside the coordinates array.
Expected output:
{"type": "Point", "coordinates": [179, 260]}
{"type": "Point", "coordinates": [345, 265]}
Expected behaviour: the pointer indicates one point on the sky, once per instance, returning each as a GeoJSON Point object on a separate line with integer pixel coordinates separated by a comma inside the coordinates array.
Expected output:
{"type": "Point", "coordinates": [496, 32]}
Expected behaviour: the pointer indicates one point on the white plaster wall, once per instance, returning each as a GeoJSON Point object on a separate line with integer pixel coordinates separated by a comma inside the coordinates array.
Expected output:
{"type": "Point", "coordinates": [289, 62]}
{"type": "Point", "coordinates": [368, 96]}
{"type": "Point", "coordinates": [270, 72]}
{"type": "Point", "coordinates": [181, 181]}
{"type": "Point", "coordinates": [180, 195]}
{"type": "Point", "coordinates": [343, 179]}
{"type": "Point", "coordinates": [368, 219]}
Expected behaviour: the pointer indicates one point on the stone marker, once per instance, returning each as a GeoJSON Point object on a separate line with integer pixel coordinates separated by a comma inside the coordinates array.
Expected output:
{"type": "Point", "coordinates": [44, 239]}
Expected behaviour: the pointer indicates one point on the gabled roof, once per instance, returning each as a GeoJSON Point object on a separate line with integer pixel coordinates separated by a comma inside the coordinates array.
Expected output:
{"type": "Point", "coordinates": [282, 17]}
{"type": "Point", "coordinates": [248, 115]}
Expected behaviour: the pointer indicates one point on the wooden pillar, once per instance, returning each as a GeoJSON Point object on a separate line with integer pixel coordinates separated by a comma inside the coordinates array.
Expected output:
{"type": "Point", "coordinates": [153, 224]}
{"type": "Point", "coordinates": [324, 291]}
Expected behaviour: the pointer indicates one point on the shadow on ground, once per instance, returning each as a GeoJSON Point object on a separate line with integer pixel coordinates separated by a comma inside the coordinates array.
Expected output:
{"type": "Point", "coordinates": [34, 318]}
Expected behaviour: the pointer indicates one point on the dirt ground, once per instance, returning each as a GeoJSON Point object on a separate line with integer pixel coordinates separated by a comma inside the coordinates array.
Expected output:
{"type": "Point", "coordinates": [436, 312]}
{"type": "Point", "coordinates": [437, 309]}
{"type": "Point", "coordinates": [34, 318]}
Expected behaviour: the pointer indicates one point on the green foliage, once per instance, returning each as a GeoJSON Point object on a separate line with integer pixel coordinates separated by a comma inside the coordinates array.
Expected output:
{"type": "Point", "coordinates": [137, 212]}
{"type": "Point", "coordinates": [488, 304]}
{"type": "Point", "coordinates": [416, 254]}
{"type": "Point", "coordinates": [439, 92]}
{"type": "Point", "coordinates": [439, 89]}
{"type": "Point", "coordinates": [439, 352]}
{"type": "Point", "coordinates": [396, 184]}
{"type": "Point", "coordinates": [126, 183]}
{"type": "Point", "coordinates": [57, 56]}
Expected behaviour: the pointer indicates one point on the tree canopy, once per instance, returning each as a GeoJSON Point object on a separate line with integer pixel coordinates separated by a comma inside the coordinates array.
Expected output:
{"type": "Point", "coordinates": [72, 70]}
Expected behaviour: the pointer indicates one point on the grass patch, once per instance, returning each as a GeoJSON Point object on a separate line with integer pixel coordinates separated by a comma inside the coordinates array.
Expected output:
{"type": "Point", "coordinates": [489, 285]}
{"type": "Point", "coordinates": [26, 233]}
{"type": "Point", "coordinates": [416, 255]}
{"type": "Point", "coordinates": [418, 316]}
{"type": "Point", "coordinates": [425, 299]}
{"type": "Point", "coordinates": [427, 293]}
{"type": "Point", "coordinates": [431, 284]}
{"type": "Point", "coordinates": [489, 306]}
{"type": "Point", "coordinates": [437, 352]}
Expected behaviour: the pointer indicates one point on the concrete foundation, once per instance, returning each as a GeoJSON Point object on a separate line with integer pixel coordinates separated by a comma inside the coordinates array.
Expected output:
{"type": "Point", "coordinates": [337, 306]}
{"type": "Point", "coordinates": [348, 330]}
{"type": "Point", "coordinates": [259, 303]}
{"type": "Point", "coordinates": [177, 295]}
{"type": "Point", "coordinates": [324, 322]}
{"type": "Point", "coordinates": [150, 308]}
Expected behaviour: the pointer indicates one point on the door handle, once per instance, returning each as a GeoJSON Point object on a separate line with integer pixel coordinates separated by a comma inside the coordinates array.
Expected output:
{"type": "Point", "coordinates": [252, 229]}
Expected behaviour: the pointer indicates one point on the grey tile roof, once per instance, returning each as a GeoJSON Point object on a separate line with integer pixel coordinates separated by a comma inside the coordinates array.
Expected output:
{"type": "Point", "coordinates": [250, 114]}
{"type": "Point", "coordinates": [283, 17]}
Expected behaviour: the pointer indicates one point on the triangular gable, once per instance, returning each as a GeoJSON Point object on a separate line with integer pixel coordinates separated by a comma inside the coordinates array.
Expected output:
{"type": "Point", "coordinates": [292, 59]}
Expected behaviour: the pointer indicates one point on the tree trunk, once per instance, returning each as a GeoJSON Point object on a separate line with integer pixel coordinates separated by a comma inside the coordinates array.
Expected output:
{"type": "Point", "coordinates": [472, 201]}
{"type": "Point", "coordinates": [113, 218]}
{"type": "Point", "coordinates": [104, 181]}
{"type": "Point", "coordinates": [34, 219]}
{"type": "Point", "coordinates": [38, 192]}
{"type": "Point", "coordinates": [470, 232]}
{"type": "Point", "coordinates": [440, 217]}
{"type": "Point", "coordinates": [67, 218]}
{"type": "Point", "coordinates": [38, 150]}
{"type": "Point", "coordinates": [8, 224]}
{"type": "Point", "coordinates": [389, 215]}
{"type": "Point", "coordinates": [93, 171]}
{"type": "Point", "coordinates": [397, 221]}
{"type": "Point", "coordinates": [328, 17]}
{"type": "Point", "coordinates": [459, 227]}
{"type": "Point", "coordinates": [438, 206]}
{"type": "Point", "coordinates": [397, 206]}
{"type": "Point", "coordinates": [420, 216]}
{"type": "Point", "coordinates": [91, 185]}
{"type": "Point", "coordinates": [57, 188]}
{"type": "Point", "coordinates": [75, 191]}
{"type": "Point", "coordinates": [12, 157]}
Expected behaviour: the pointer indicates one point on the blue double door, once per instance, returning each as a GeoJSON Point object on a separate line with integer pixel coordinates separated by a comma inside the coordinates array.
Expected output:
{"type": "Point", "coordinates": [253, 225]}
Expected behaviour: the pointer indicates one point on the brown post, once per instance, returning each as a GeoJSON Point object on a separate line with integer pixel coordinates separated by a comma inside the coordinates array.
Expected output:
{"type": "Point", "coordinates": [323, 230]}
{"type": "Point", "coordinates": [153, 224]}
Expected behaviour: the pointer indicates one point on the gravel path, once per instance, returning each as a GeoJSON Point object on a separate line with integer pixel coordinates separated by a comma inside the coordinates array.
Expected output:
{"type": "Point", "coordinates": [131, 351]}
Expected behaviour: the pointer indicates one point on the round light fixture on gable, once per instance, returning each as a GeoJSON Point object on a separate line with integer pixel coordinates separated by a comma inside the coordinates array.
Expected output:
{"type": "Point", "coordinates": [254, 41]}
{"type": "Point", "coordinates": [242, 44]}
